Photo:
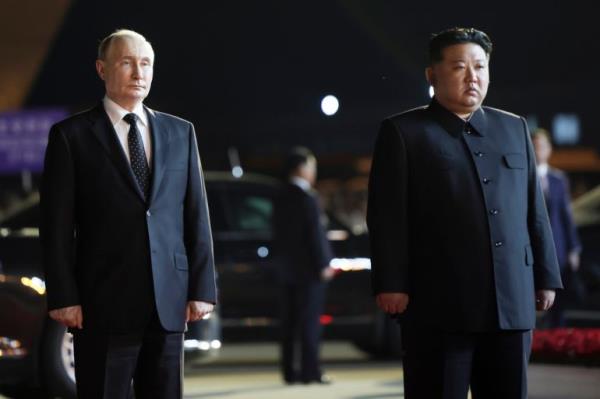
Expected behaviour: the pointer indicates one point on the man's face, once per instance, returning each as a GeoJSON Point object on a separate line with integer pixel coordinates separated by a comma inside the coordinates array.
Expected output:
{"type": "Point", "coordinates": [460, 80]}
{"type": "Point", "coordinates": [127, 71]}
{"type": "Point", "coordinates": [308, 171]}
{"type": "Point", "coordinates": [543, 149]}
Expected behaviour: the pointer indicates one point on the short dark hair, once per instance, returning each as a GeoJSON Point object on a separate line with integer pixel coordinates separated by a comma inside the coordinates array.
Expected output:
{"type": "Point", "coordinates": [541, 132]}
{"type": "Point", "coordinates": [452, 36]}
{"type": "Point", "coordinates": [296, 157]}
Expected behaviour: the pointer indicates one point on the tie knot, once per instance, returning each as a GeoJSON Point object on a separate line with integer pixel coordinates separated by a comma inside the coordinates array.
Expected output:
{"type": "Point", "coordinates": [130, 118]}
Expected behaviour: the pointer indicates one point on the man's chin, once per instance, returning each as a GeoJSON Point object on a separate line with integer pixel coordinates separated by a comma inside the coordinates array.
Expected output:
{"type": "Point", "coordinates": [137, 96]}
{"type": "Point", "coordinates": [472, 102]}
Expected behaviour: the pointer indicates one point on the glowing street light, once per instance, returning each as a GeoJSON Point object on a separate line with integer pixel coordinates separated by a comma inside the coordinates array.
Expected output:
{"type": "Point", "coordinates": [330, 105]}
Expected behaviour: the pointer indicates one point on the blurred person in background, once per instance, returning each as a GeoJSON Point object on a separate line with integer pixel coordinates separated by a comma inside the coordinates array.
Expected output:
{"type": "Point", "coordinates": [557, 195]}
{"type": "Point", "coordinates": [125, 232]}
{"type": "Point", "coordinates": [461, 245]}
{"type": "Point", "coordinates": [303, 253]}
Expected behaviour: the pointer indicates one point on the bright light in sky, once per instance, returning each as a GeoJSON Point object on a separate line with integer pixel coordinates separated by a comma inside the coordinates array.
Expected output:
{"type": "Point", "coordinates": [330, 105]}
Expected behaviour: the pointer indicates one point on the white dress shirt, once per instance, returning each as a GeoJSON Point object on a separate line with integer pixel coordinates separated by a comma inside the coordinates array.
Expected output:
{"type": "Point", "coordinates": [116, 113]}
{"type": "Point", "coordinates": [542, 172]}
{"type": "Point", "coordinates": [300, 182]}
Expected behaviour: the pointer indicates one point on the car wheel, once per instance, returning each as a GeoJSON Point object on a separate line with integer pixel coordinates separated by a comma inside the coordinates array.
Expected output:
{"type": "Point", "coordinates": [385, 340]}
{"type": "Point", "coordinates": [57, 362]}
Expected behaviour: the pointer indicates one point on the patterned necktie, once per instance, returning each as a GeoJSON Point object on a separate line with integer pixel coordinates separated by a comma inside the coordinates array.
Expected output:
{"type": "Point", "coordinates": [139, 163]}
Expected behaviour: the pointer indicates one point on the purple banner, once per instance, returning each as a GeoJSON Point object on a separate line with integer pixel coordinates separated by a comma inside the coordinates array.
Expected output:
{"type": "Point", "coordinates": [23, 138]}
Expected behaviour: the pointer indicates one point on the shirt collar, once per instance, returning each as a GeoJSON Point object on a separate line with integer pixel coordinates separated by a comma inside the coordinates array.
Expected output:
{"type": "Point", "coordinates": [300, 182]}
{"type": "Point", "coordinates": [116, 112]}
{"type": "Point", "coordinates": [454, 124]}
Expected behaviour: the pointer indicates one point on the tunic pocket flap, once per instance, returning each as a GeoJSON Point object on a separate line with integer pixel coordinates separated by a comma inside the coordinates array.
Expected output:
{"type": "Point", "coordinates": [528, 255]}
{"type": "Point", "coordinates": [515, 161]}
{"type": "Point", "coordinates": [181, 262]}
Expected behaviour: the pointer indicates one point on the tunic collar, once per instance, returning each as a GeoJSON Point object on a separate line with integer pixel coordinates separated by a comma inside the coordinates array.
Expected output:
{"type": "Point", "coordinates": [455, 125]}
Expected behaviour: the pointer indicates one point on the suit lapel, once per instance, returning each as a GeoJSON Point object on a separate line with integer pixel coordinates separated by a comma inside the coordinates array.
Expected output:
{"type": "Point", "coordinates": [106, 135]}
{"type": "Point", "coordinates": [160, 146]}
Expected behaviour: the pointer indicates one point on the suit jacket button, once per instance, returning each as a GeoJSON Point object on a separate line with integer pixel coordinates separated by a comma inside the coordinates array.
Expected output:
{"type": "Point", "coordinates": [478, 154]}
{"type": "Point", "coordinates": [148, 213]}
{"type": "Point", "coordinates": [498, 244]}
{"type": "Point", "coordinates": [486, 180]}
{"type": "Point", "coordinates": [494, 211]}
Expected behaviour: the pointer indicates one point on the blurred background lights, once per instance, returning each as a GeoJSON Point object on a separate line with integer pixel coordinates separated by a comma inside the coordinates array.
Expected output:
{"type": "Point", "coordinates": [330, 105]}
{"type": "Point", "coordinates": [263, 252]}
{"type": "Point", "coordinates": [566, 129]}
{"type": "Point", "coordinates": [237, 171]}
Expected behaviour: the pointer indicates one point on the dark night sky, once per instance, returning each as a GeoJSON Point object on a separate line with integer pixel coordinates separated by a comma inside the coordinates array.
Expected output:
{"type": "Point", "coordinates": [251, 73]}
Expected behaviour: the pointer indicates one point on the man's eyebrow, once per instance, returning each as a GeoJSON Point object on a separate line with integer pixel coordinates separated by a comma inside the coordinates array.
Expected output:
{"type": "Point", "coordinates": [457, 60]}
{"type": "Point", "coordinates": [133, 57]}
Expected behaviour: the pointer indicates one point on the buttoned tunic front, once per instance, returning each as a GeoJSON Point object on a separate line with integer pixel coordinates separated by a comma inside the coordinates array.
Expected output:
{"type": "Point", "coordinates": [457, 219]}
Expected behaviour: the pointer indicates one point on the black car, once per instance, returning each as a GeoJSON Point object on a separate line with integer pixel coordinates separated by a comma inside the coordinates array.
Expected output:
{"type": "Point", "coordinates": [240, 210]}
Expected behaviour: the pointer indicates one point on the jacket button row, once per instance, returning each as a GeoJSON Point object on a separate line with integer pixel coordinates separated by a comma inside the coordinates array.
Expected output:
{"type": "Point", "coordinates": [479, 154]}
{"type": "Point", "coordinates": [498, 244]}
{"type": "Point", "coordinates": [494, 211]}
{"type": "Point", "coordinates": [486, 180]}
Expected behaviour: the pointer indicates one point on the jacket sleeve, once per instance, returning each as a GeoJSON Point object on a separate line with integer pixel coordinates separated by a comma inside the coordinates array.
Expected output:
{"type": "Point", "coordinates": [57, 226]}
{"type": "Point", "coordinates": [319, 244]}
{"type": "Point", "coordinates": [546, 272]}
{"type": "Point", "coordinates": [197, 232]}
{"type": "Point", "coordinates": [387, 212]}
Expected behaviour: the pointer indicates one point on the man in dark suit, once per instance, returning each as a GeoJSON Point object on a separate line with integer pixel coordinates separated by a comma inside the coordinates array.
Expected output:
{"type": "Point", "coordinates": [125, 232]}
{"type": "Point", "coordinates": [460, 241]}
{"type": "Point", "coordinates": [555, 186]}
{"type": "Point", "coordinates": [304, 253]}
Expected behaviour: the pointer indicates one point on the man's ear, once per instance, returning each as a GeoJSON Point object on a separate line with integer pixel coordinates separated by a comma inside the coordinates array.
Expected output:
{"type": "Point", "coordinates": [430, 76]}
{"type": "Point", "coordinates": [100, 68]}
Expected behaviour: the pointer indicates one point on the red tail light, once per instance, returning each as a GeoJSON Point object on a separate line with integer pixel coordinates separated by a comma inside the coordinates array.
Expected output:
{"type": "Point", "coordinates": [325, 319]}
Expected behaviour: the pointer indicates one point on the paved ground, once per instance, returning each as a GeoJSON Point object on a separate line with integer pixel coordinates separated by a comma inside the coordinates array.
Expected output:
{"type": "Point", "coordinates": [250, 372]}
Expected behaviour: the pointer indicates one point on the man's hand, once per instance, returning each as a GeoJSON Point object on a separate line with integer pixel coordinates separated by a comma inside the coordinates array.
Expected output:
{"type": "Point", "coordinates": [197, 309]}
{"type": "Point", "coordinates": [70, 316]}
{"type": "Point", "coordinates": [327, 273]}
{"type": "Point", "coordinates": [574, 260]}
{"type": "Point", "coordinates": [392, 302]}
{"type": "Point", "coordinates": [544, 299]}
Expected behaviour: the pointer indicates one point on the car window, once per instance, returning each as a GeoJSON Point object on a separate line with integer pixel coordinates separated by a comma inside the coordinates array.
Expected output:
{"type": "Point", "coordinates": [250, 211]}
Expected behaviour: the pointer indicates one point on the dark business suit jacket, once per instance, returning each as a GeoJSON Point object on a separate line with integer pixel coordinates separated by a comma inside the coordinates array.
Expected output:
{"type": "Point", "coordinates": [105, 247]}
{"type": "Point", "coordinates": [558, 204]}
{"type": "Point", "coordinates": [457, 219]}
{"type": "Point", "coordinates": [300, 239]}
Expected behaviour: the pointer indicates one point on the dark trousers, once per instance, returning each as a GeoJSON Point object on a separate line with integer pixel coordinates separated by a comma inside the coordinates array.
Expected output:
{"type": "Point", "coordinates": [106, 364]}
{"type": "Point", "coordinates": [443, 365]}
{"type": "Point", "coordinates": [301, 308]}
